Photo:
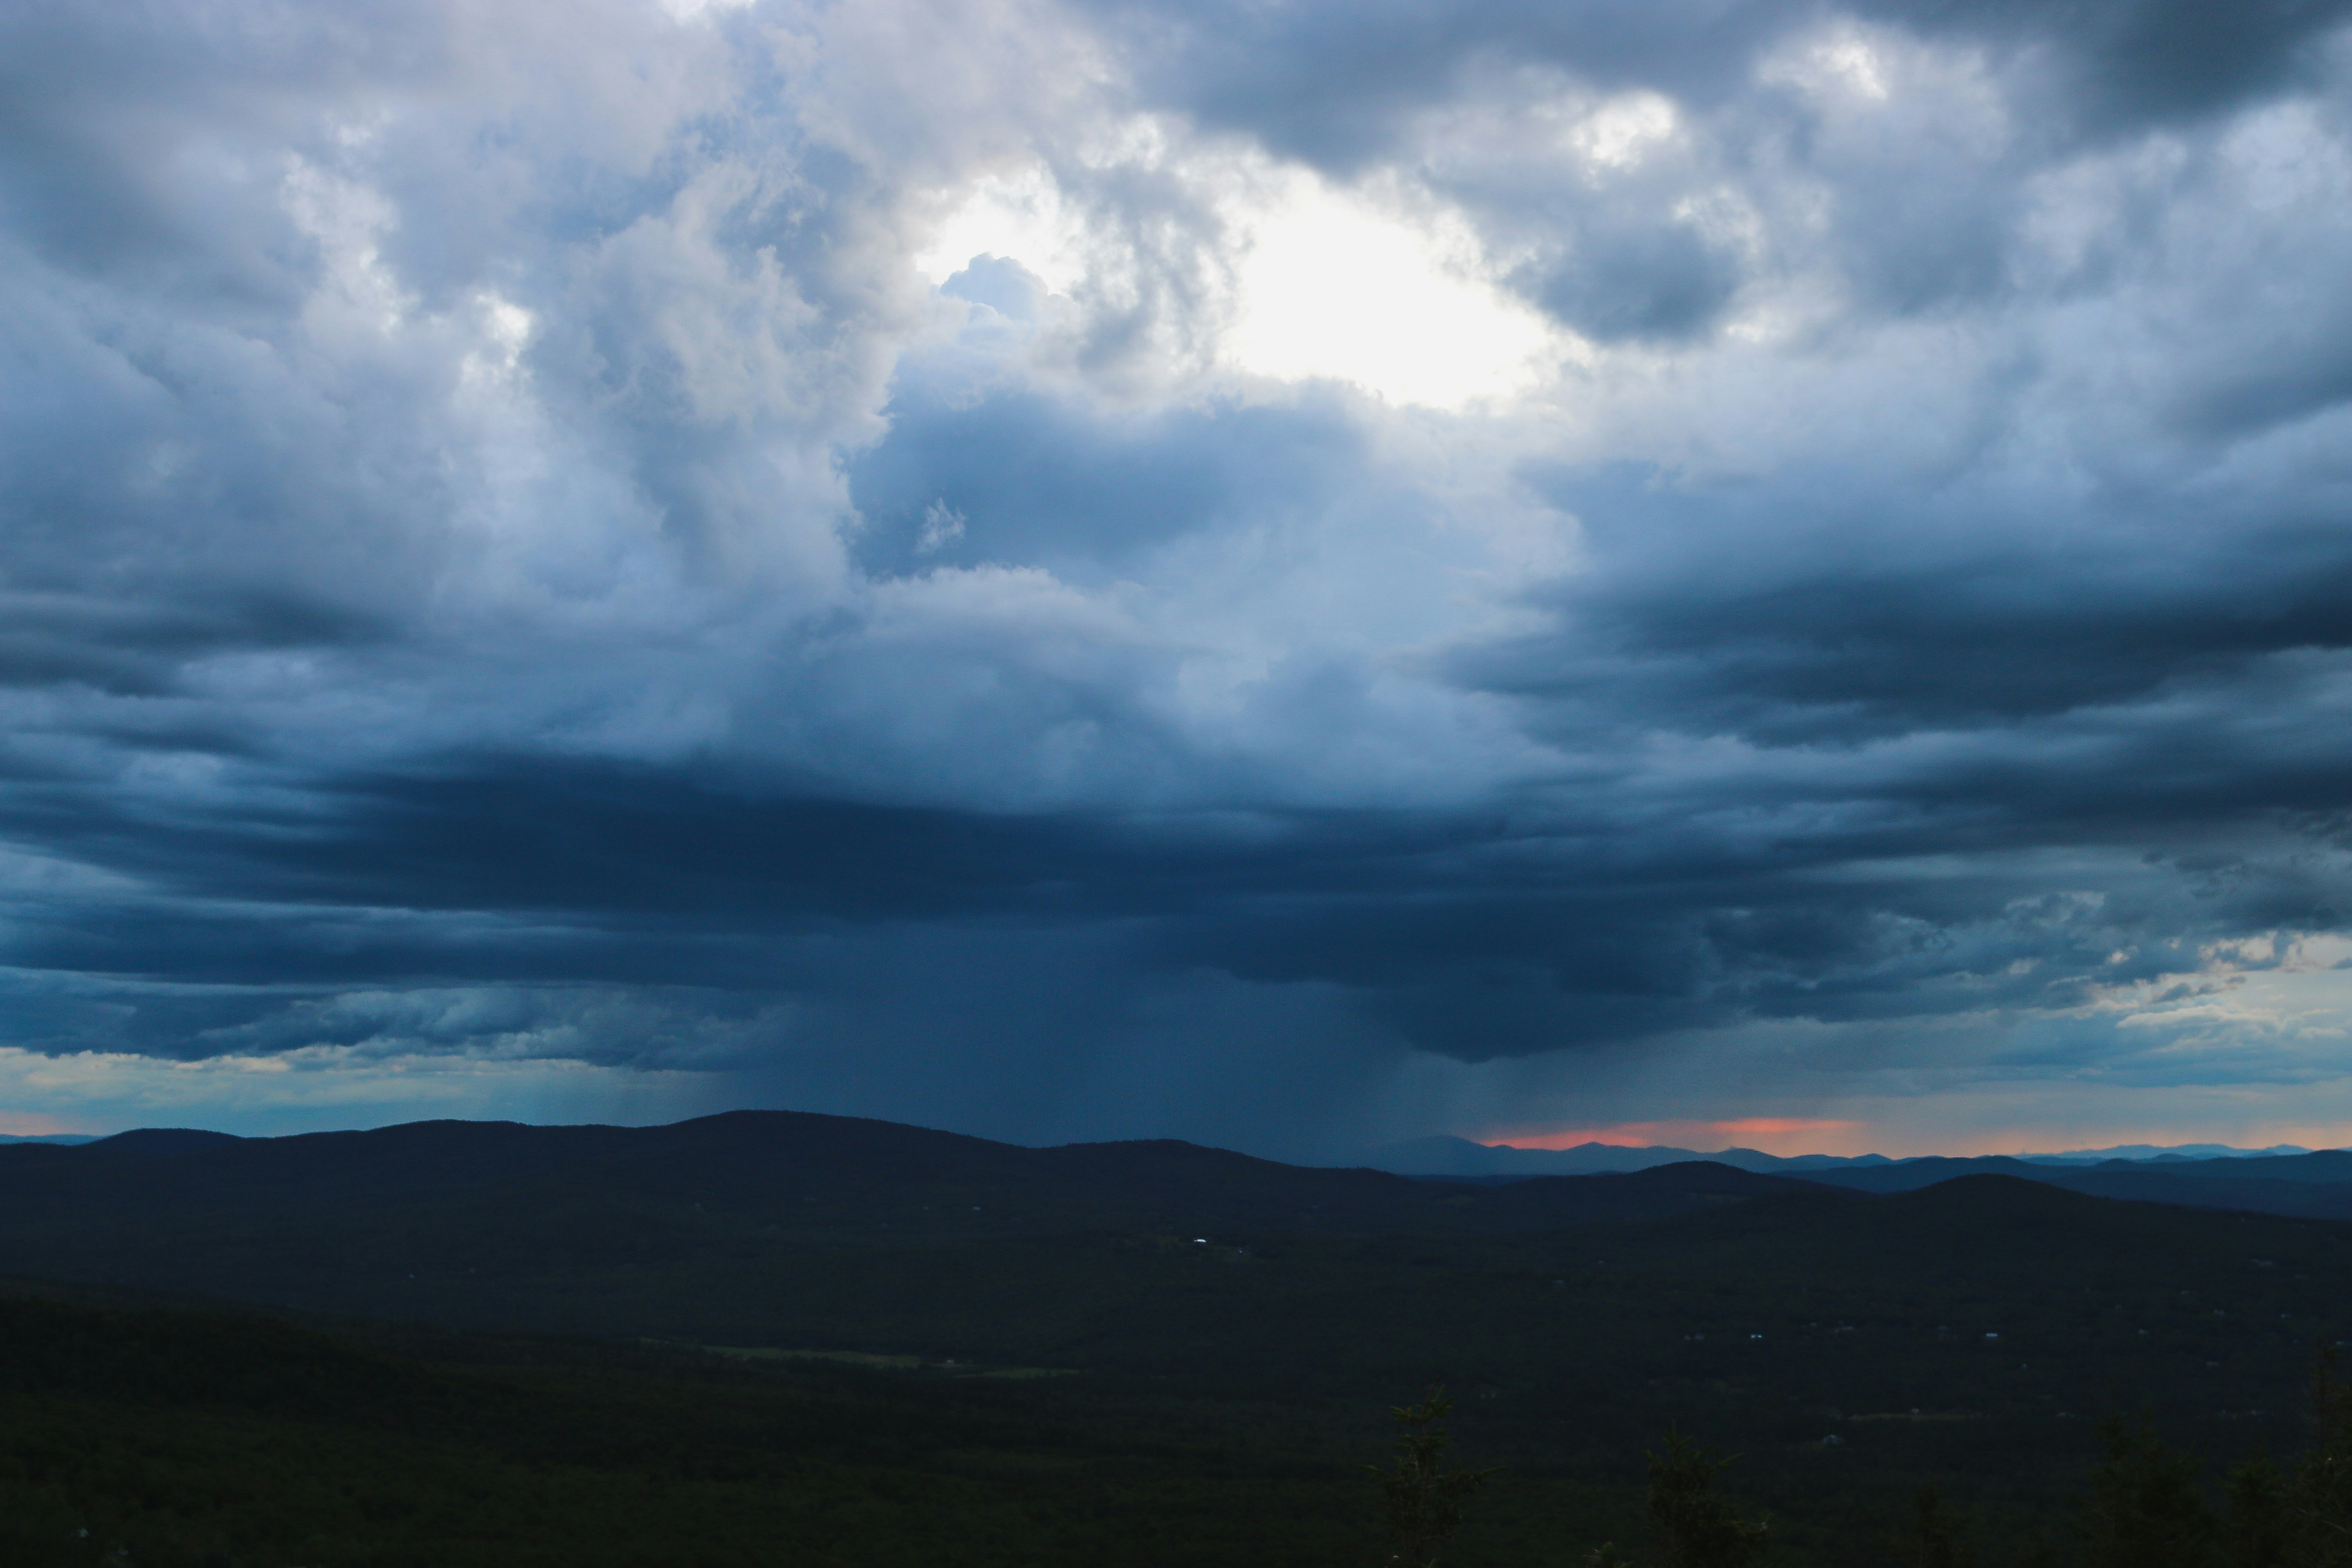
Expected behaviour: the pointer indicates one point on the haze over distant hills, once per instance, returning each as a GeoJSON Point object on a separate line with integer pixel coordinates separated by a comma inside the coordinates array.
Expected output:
{"type": "Point", "coordinates": [2282, 1181]}
{"type": "Point", "coordinates": [1445, 1156]}
{"type": "Point", "coordinates": [2164, 1151]}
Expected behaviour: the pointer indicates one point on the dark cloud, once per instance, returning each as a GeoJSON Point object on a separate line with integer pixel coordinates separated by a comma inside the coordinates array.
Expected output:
{"type": "Point", "coordinates": [503, 558]}
{"type": "Point", "coordinates": [1027, 479]}
{"type": "Point", "coordinates": [1813, 613]}
{"type": "Point", "coordinates": [1484, 935]}
{"type": "Point", "coordinates": [2150, 62]}
{"type": "Point", "coordinates": [137, 649]}
{"type": "Point", "coordinates": [1337, 85]}
{"type": "Point", "coordinates": [1653, 280]}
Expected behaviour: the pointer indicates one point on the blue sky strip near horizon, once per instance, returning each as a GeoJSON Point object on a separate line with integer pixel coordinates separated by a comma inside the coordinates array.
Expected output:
{"type": "Point", "coordinates": [1289, 574]}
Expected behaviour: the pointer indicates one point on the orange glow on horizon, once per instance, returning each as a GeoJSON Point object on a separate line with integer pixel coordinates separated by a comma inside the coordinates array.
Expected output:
{"type": "Point", "coordinates": [1755, 1132]}
{"type": "Point", "coordinates": [28, 1124]}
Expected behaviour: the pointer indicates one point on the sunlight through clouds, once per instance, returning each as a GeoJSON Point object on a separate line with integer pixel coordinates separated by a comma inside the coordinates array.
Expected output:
{"type": "Point", "coordinates": [1019, 216]}
{"type": "Point", "coordinates": [1333, 287]}
{"type": "Point", "coordinates": [1318, 282]}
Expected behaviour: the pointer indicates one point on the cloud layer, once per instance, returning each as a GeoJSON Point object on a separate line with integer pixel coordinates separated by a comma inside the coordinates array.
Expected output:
{"type": "Point", "coordinates": [527, 562]}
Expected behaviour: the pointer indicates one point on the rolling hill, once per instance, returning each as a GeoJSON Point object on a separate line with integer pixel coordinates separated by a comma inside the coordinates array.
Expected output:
{"type": "Point", "coordinates": [1968, 1331]}
{"type": "Point", "coordinates": [2317, 1186]}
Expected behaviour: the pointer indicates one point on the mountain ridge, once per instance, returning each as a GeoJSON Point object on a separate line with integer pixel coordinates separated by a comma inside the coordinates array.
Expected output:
{"type": "Point", "coordinates": [1447, 1155]}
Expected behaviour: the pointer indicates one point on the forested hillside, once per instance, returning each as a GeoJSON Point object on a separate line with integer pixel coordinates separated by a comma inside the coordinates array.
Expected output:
{"type": "Point", "coordinates": [1253, 1320]}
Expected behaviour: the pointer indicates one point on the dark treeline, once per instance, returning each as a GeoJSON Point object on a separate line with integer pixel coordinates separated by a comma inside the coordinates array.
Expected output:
{"type": "Point", "coordinates": [2142, 1507]}
{"type": "Point", "coordinates": [204, 1439]}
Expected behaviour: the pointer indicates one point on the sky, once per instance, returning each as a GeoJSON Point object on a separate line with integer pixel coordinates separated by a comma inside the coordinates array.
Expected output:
{"type": "Point", "coordinates": [1286, 573]}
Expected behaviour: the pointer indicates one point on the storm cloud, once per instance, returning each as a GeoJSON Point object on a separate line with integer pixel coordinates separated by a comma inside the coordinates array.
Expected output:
{"type": "Point", "coordinates": [847, 557]}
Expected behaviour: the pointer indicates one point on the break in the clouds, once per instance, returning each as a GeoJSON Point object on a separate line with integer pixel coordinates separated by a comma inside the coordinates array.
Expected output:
{"type": "Point", "coordinates": [1287, 573]}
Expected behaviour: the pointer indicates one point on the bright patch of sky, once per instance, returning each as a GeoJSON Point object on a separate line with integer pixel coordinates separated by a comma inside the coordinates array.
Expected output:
{"type": "Point", "coordinates": [1325, 283]}
{"type": "Point", "coordinates": [1019, 216]}
{"type": "Point", "coordinates": [1334, 286]}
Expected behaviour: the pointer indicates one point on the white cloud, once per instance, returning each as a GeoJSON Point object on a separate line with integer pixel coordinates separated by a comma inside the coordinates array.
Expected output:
{"type": "Point", "coordinates": [1330, 284]}
{"type": "Point", "coordinates": [1019, 214]}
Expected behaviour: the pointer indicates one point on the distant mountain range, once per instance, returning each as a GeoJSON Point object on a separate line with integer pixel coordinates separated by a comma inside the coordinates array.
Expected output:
{"type": "Point", "coordinates": [1445, 1156]}
{"type": "Point", "coordinates": [2306, 1184]}
{"type": "Point", "coordinates": [787, 1229]}
{"type": "Point", "coordinates": [690, 1228]}
{"type": "Point", "coordinates": [1460, 1157]}
{"type": "Point", "coordinates": [2155, 1152]}
{"type": "Point", "coordinates": [60, 1197]}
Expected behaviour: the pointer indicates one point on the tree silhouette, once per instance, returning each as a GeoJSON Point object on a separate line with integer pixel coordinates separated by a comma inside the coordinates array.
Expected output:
{"type": "Point", "coordinates": [2321, 1496]}
{"type": "Point", "coordinates": [2144, 1510]}
{"type": "Point", "coordinates": [2259, 1528]}
{"type": "Point", "coordinates": [1697, 1527]}
{"type": "Point", "coordinates": [1422, 1498]}
{"type": "Point", "coordinates": [1939, 1534]}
